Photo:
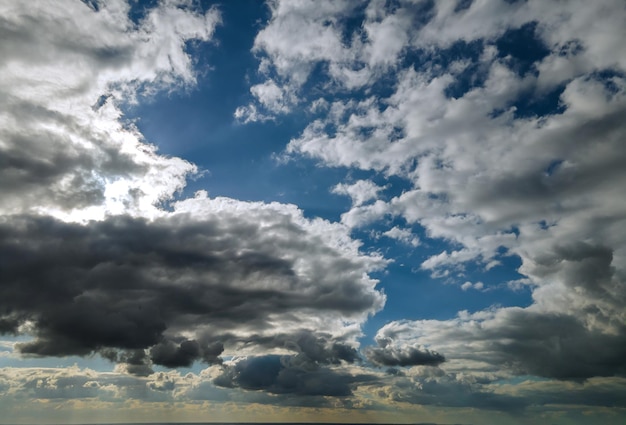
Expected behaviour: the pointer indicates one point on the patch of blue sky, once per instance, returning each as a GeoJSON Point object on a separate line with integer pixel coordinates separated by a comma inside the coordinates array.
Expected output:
{"type": "Point", "coordinates": [553, 167]}
{"type": "Point", "coordinates": [607, 77]}
{"type": "Point", "coordinates": [423, 12]}
{"type": "Point", "coordinates": [352, 25]}
{"type": "Point", "coordinates": [472, 76]}
{"type": "Point", "coordinates": [532, 105]}
{"type": "Point", "coordinates": [437, 62]}
{"type": "Point", "coordinates": [497, 277]}
{"type": "Point", "coordinates": [198, 124]}
{"type": "Point", "coordinates": [523, 48]}
{"type": "Point", "coordinates": [92, 4]}
{"type": "Point", "coordinates": [413, 294]}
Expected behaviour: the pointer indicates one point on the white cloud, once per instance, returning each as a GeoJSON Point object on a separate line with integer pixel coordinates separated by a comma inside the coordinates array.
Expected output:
{"type": "Point", "coordinates": [360, 191]}
{"type": "Point", "coordinates": [477, 174]}
{"type": "Point", "coordinates": [63, 86]}
{"type": "Point", "coordinates": [469, 285]}
{"type": "Point", "coordinates": [403, 235]}
{"type": "Point", "coordinates": [488, 175]}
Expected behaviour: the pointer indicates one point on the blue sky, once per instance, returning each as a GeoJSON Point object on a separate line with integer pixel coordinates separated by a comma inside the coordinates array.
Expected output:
{"type": "Point", "coordinates": [313, 211]}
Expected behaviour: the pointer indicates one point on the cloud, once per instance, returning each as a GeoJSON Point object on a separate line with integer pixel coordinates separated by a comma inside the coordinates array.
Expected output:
{"type": "Point", "coordinates": [506, 155]}
{"type": "Point", "coordinates": [517, 341]}
{"type": "Point", "coordinates": [296, 375]}
{"type": "Point", "coordinates": [402, 235]}
{"type": "Point", "coordinates": [404, 356]}
{"type": "Point", "coordinates": [479, 286]}
{"type": "Point", "coordinates": [91, 261]}
{"type": "Point", "coordinates": [127, 283]}
{"type": "Point", "coordinates": [68, 67]}
{"type": "Point", "coordinates": [426, 386]}
{"type": "Point", "coordinates": [360, 191]}
{"type": "Point", "coordinates": [171, 354]}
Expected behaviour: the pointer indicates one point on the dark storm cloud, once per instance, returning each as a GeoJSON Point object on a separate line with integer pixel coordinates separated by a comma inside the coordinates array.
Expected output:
{"type": "Point", "coordinates": [456, 394]}
{"type": "Point", "coordinates": [296, 375]}
{"type": "Point", "coordinates": [555, 346]}
{"type": "Point", "coordinates": [136, 362]}
{"type": "Point", "coordinates": [172, 354]}
{"type": "Point", "coordinates": [318, 346]}
{"type": "Point", "coordinates": [128, 284]}
{"type": "Point", "coordinates": [403, 356]}
{"type": "Point", "coordinates": [526, 342]}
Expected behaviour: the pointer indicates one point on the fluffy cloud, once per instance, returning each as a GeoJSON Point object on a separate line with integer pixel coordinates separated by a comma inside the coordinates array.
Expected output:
{"type": "Point", "coordinates": [507, 153]}
{"type": "Point", "coordinates": [402, 235]}
{"type": "Point", "coordinates": [405, 356]}
{"type": "Point", "coordinates": [360, 191]}
{"type": "Point", "coordinates": [66, 68]}
{"type": "Point", "coordinates": [288, 375]}
{"type": "Point", "coordinates": [516, 341]}
{"type": "Point", "coordinates": [183, 285]}
{"type": "Point", "coordinates": [92, 264]}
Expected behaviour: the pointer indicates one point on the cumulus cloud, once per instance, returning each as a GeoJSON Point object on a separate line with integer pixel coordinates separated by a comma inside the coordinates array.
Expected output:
{"type": "Point", "coordinates": [387, 355]}
{"type": "Point", "coordinates": [424, 385]}
{"type": "Point", "coordinates": [402, 235]}
{"type": "Point", "coordinates": [506, 155]}
{"type": "Point", "coordinates": [360, 191]}
{"type": "Point", "coordinates": [287, 375]}
{"type": "Point", "coordinates": [129, 283]}
{"type": "Point", "coordinates": [469, 285]}
{"type": "Point", "coordinates": [517, 341]}
{"type": "Point", "coordinates": [92, 264]}
{"type": "Point", "coordinates": [67, 68]}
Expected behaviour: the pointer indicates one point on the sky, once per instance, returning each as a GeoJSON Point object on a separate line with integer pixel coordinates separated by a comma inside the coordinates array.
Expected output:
{"type": "Point", "coordinates": [365, 211]}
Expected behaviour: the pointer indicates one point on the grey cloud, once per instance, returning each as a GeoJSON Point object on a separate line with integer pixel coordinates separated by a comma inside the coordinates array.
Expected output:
{"type": "Point", "coordinates": [454, 390]}
{"type": "Point", "coordinates": [129, 284]}
{"type": "Point", "coordinates": [555, 346]}
{"type": "Point", "coordinates": [295, 375]}
{"type": "Point", "coordinates": [317, 346]}
{"type": "Point", "coordinates": [487, 177]}
{"type": "Point", "coordinates": [606, 392]}
{"type": "Point", "coordinates": [135, 361]}
{"type": "Point", "coordinates": [575, 330]}
{"type": "Point", "coordinates": [31, 170]}
{"type": "Point", "coordinates": [72, 383]}
{"type": "Point", "coordinates": [426, 385]}
{"type": "Point", "coordinates": [62, 387]}
{"type": "Point", "coordinates": [521, 342]}
{"type": "Point", "coordinates": [56, 152]}
{"type": "Point", "coordinates": [172, 354]}
{"type": "Point", "coordinates": [450, 392]}
{"type": "Point", "coordinates": [389, 355]}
